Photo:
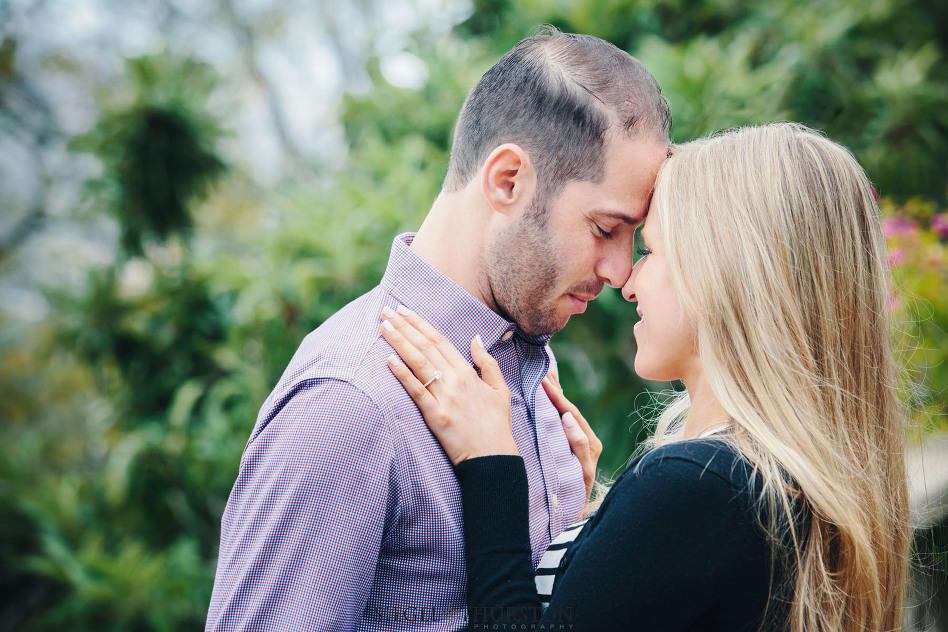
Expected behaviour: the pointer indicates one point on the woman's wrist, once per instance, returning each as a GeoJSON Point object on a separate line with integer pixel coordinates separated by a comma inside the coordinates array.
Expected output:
{"type": "Point", "coordinates": [496, 449]}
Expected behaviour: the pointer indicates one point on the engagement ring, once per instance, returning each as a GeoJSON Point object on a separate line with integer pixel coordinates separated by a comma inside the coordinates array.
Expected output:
{"type": "Point", "coordinates": [436, 376]}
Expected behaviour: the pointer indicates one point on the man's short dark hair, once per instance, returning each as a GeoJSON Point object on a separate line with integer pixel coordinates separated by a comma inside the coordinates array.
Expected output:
{"type": "Point", "coordinates": [556, 95]}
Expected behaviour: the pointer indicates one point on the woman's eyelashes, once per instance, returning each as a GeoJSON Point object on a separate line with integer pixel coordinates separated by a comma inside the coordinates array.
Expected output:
{"type": "Point", "coordinates": [643, 252]}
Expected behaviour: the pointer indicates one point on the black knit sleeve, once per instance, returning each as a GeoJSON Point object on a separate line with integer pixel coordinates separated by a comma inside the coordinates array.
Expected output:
{"type": "Point", "coordinates": [494, 497]}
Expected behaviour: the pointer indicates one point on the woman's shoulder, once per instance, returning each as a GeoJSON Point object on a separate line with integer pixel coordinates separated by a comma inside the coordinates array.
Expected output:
{"type": "Point", "coordinates": [696, 466]}
{"type": "Point", "coordinates": [700, 490]}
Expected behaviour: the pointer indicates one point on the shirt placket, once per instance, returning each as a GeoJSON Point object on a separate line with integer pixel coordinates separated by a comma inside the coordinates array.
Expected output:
{"type": "Point", "coordinates": [534, 366]}
{"type": "Point", "coordinates": [511, 358]}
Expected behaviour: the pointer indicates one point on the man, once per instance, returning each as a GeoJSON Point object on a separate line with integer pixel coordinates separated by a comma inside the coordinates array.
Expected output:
{"type": "Point", "coordinates": [345, 514]}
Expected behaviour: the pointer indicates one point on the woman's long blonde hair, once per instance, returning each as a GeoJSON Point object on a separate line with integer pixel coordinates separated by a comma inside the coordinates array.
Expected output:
{"type": "Point", "coordinates": [776, 249]}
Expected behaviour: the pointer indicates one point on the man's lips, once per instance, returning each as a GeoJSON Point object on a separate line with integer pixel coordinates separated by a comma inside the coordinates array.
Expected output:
{"type": "Point", "coordinates": [580, 301]}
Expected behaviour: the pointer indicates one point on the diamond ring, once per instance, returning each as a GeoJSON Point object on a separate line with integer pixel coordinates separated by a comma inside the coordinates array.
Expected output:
{"type": "Point", "coordinates": [436, 376]}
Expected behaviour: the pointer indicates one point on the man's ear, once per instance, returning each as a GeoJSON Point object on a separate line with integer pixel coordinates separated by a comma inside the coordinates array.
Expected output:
{"type": "Point", "coordinates": [508, 180]}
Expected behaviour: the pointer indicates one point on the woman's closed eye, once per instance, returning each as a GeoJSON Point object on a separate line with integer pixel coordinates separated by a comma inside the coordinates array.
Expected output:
{"type": "Point", "coordinates": [643, 252]}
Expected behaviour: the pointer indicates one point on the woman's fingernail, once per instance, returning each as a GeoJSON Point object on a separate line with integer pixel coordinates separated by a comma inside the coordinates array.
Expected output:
{"type": "Point", "coordinates": [393, 360]}
{"type": "Point", "coordinates": [568, 420]}
{"type": "Point", "coordinates": [388, 312]}
{"type": "Point", "coordinates": [478, 341]}
{"type": "Point", "coordinates": [387, 325]}
{"type": "Point", "coordinates": [404, 311]}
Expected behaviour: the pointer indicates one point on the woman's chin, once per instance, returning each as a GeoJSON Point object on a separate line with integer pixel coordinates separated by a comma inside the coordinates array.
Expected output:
{"type": "Point", "coordinates": [642, 368]}
{"type": "Point", "coordinates": [652, 371]}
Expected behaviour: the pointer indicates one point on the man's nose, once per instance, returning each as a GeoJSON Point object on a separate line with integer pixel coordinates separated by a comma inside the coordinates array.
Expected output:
{"type": "Point", "coordinates": [616, 269]}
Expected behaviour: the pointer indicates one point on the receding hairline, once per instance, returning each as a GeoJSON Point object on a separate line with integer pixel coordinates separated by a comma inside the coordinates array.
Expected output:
{"type": "Point", "coordinates": [593, 74]}
{"type": "Point", "coordinates": [551, 42]}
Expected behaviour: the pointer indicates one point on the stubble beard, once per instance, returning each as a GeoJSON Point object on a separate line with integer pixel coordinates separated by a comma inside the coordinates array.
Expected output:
{"type": "Point", "coordinates": [521, 267]}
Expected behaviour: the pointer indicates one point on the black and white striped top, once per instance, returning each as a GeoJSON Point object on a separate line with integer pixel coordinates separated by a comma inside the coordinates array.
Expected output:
{"type": "Point", "coordinates": [550, 562]}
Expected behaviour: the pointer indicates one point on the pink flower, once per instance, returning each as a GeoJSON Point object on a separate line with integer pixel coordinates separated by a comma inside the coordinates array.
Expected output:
{"type": "Point", "coordinates": [893, 226]}
{"type": "Point", "coordinates": [940, 225]}
{"type": "Point", "coordinates": [896, 256]}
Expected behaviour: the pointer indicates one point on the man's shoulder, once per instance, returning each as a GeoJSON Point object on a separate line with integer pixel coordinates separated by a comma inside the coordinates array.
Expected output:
{"type": "Point", "coordinates": [344, 358]}
{"type": "Point", "coordinates": [340, 347]}
{"type": "Point", "coordinates": [337, 348]}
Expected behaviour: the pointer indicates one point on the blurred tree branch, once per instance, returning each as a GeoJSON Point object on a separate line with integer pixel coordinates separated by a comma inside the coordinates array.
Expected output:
{"type": "Point", "coordinates": [21, 231]}
{"type": "Point", "coordinates": [25, 118]}
{"type": "Point", "coordinates": [249, 58]}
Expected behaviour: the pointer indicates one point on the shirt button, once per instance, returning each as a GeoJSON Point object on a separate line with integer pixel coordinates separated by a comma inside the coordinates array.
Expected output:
{"type": "Point", "coordinates": [555, 501]}
{"type": "Point", "coordinates": [507, 336]}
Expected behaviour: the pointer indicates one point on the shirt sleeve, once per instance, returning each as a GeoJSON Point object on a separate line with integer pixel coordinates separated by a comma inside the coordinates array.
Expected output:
{"type": "Point", "coordinates": [302, 530]}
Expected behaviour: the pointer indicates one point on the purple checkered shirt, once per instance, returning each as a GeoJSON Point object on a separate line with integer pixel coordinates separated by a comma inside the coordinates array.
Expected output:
{"type": "Point", "coordinates": [346, 514]}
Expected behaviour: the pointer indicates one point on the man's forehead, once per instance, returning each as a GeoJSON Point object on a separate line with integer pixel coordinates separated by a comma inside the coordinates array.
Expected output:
{"type": "Point", "coordinates": [636, 163]}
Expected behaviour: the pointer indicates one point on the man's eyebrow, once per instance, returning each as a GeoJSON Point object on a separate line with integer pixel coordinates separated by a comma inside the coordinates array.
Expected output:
{"type": "Point", "coordinates": [622, 217]}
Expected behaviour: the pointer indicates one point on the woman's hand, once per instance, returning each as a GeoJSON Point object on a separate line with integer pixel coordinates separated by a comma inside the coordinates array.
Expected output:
{"type": "Point", "coordinates": [582, 440]}
{"type": "Point", "coordinates": [468, 415]}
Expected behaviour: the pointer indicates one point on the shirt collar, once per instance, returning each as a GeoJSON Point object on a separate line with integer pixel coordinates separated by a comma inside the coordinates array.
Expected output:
{"type": "Point", "coordinates": [451, 309]}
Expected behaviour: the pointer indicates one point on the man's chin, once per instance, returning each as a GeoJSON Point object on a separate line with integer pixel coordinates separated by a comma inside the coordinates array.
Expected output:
{"type": "Point", "coordinates": [547, 328]}
{"type": "Point", "coordinates": [542, 322]}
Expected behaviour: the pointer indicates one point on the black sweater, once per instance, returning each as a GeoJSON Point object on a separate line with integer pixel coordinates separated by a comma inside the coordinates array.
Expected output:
{"type": "Point", "coordinates": [676, 545]}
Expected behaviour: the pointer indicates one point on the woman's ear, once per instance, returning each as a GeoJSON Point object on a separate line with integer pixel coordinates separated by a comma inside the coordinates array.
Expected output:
{"type": "Point", "coordinates": [508, 180]}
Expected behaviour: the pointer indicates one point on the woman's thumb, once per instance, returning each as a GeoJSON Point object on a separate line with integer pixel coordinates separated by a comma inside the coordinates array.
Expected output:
{"type": "Point", "coordinates": [490, 370]}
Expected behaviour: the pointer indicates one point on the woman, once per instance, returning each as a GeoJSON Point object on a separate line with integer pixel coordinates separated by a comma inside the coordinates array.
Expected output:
{"type": "Point", "coordinates": [773, 494]}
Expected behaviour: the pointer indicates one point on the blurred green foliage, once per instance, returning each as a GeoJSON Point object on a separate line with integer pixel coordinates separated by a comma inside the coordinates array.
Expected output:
{"type": "Point", "coordinates": [918, 254]}
{"type": "Point", "coordinates": [126, 411]}
{"type": "Point", "coordinates": [156, 146]}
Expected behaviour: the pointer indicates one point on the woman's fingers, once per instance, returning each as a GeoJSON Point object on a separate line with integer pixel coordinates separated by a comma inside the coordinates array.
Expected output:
{"type": "Point", "coordinates": [553, 390]}
{"type": "Point", "coordinates": [563, 405]}
{"type": "Point", "coordinates": [469, 416]}
{"type": "Point", "coordinates": [587, 448]}
{"type": "Point", "coordinates": [422, 359]}
{"type": "Point", "coordinates": [490, 370]}
{"type": "Point", "coordinates": [578, 441]}
{"type": "Point", "coordinates": [423, 398]}
{"type": "Point", "coordinates": [424, 334]}
{"type": "Point", "coordinates": [579, 444]}
{"type": "Point", "coordinates": [554, 377]}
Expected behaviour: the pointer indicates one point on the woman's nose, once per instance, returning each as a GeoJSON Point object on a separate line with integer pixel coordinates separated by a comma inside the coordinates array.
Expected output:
{"type": "Point", "coordinates": [628, 290]}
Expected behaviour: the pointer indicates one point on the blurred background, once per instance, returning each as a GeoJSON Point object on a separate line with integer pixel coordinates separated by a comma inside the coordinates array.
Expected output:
{"type": "Point", "coordinates": [188, 187]}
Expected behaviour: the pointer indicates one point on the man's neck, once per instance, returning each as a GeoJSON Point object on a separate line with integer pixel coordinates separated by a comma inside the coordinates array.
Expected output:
{"type": "Point", "coordinates": [452, 239]}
